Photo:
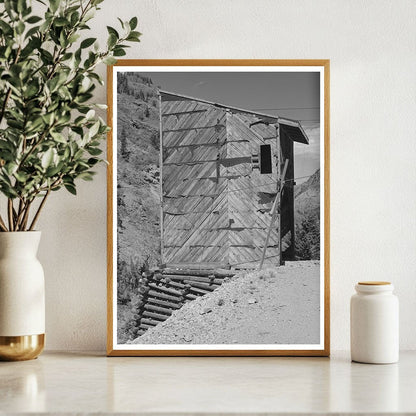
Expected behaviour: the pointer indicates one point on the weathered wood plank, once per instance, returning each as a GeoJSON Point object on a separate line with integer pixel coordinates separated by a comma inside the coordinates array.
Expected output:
{"type": "Point", "coordinates": [159, 302]}
{"type": "Point", "coordinates": [190, 296]}
{"type": "Point", "coordinates": [148, 321]}
{"type": "Point", "coordinates": [180, 113]}
{"type": "Point", "coordinates": [196, 266]}
{"type": "Point", "coordinates": [192, 279]}
{"type": "Point", "coordinates": [194, 128]}
{"type": "Point", "coordinates": [158, 309]}
{"type": "Point", "coordinates": [146, 326]}
{"type": "Point", "coordinates": [199, 272]}
{"type": "Point", "coordinates": [200, 291]}
{"type": "Point", "coordinates": [165, 289]}
{"type": "Point", "coordinates": [155, 316]}
{"type": "Point", "coordinates": [158, 294]}
{"type": "Point", "coordinates": [205, 286]}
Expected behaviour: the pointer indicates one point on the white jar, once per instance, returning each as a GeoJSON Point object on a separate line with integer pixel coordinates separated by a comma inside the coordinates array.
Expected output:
{"type": "Point", "coordinates": [374, 323]}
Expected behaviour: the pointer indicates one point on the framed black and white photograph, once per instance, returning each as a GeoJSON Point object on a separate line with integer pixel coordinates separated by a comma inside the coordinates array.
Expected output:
{"type": "Point", "coordinates": [218, 207]}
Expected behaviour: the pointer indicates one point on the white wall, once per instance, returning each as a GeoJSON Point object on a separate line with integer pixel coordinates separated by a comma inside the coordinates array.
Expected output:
{"type": "Point", "coordinates": [371, 45]}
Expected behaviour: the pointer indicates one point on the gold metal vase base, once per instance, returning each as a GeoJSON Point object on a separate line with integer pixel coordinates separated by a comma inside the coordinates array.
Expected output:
{"type": "Point", "coordinates": [21, 348]}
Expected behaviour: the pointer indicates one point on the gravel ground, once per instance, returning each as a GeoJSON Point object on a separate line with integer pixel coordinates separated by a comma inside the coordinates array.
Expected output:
{"type": "Point", "coordinates": [274, 306]}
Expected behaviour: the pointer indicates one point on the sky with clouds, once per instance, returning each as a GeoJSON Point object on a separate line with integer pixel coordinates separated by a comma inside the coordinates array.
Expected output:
{"type": "Point", "coordinates": [293, 95]}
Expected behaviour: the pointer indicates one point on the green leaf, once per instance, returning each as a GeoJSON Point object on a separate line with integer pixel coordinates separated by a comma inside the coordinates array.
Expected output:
{"type": "Point", "coordinates": [110, 60]}
{"type": "Point", "coordinates": [70, 188]}
{"type": "Point", "coordinates": [21, 177]}
{"type": "Point", "coordinates": [133, 23]}
{"type": "Point", "coordinates": [74, 18]}
{"type": "Point", "coordinates": [54, 4]}
{"type": "Point", "coordinates": [35, 125]}
{"type": "Point", "coordinates": [61, 21]}
{"type": "Point", "coordinates": [10, 168]}
{"type": "Point", "coordinates": [90, 114]}
{"type": "Point", "coordinates": [33, 19]}
{"type": "Point", "coordinates": [112, 41]}
{"type": "Point", "coordinates": [119, 52]}
{"type": "Point", "coordinates": [86, 176]}
{"type": "Point", "coordinates": [134, 36]}
{"type": "Point", "coordinates": [52, 171]}
{"type": "Point", "coordinates": [58, 137]}
{"type": "Point", "coordinates": [47, 158]}
{"type": "Point", "coordinates": [48, 118]}
{"type": "Point", "coordinates": [94, 151]}
{"type": "Point", "coordinates": [32, 31]}
{"type": "Point", "coordinates": [10, 8]}
{"type": "Point", "coordinates": [94, 129]}
{"type": "Point", "coordinates": [31, 90]}
{"type": "Point", "coordinates": [121, 22]}
{"type": "Point", "coordinates": [112, 31]}
{"type": "Point", "coordinates": [21, 6]}
{"type": "Point", "coordinates": [20, 28]}
{"type": "Point", "coordinates": [73, 38]}
{"type": "Point", "coordinates": [92, 161]}
{"type": "Point", "coordinates": [6, 29]}
{"type": "Point", "coordinates": [87, 42]}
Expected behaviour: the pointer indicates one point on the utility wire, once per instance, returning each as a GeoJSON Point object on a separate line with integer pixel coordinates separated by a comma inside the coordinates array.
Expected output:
{"type": "Point", "coordinates": [287, 108]}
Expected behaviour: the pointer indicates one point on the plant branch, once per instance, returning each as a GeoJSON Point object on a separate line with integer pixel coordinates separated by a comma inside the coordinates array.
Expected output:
{"type": "Point", "coordinates": [2, 224]}
{"type": "Point", "coordinates": [20, 213]}
{"type": "Point", "coordinates": [10, 213]}
{"type": "Point", "coordinates": [26, 215]}
{"type": "Point", "coordinates": [35, 218]}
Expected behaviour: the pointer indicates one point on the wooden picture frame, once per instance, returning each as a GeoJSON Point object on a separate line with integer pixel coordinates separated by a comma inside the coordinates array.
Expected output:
{"type": "Point", "coordinates": [178, 259]}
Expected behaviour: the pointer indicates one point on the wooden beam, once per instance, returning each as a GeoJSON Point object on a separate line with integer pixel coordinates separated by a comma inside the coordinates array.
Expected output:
{"type": "Point", "coordinates": [155, 316]}
{"type": "Point", "coordinates": [199, 272]}
{"type": "Point", "coordinates": [194, 128]}
{"type": "Point", "coordinates": [199, 285]}
{"type": "Point", "coordinates": [162, 248]}
{"type": "Point", "coordinates": [269, 230]}
{"type": "Point", "coordinates": [155, 294]}
{"type": "Point", "coordinates": [229, 161]}
{"type": "Point", "coordinates": [196, 266]}
{"type": "Point", "coordinates": [274, 211]}
{"type": "Point", "coordinates": [165, 289]}
{"type": "Point", "coordinates": [192, 279]}
{"type": "Point", "coordinates": [284, 173]}
{"type": "Point", "coordinates": [148, 321]}
{"type": "Point", "coordinates": [183, 112]}
{"type": "Point", "coordinates": [179, 146]}
{"type": "Point", "coordinates": [158, 309]}
{"type": "Point", "coordinates": [282, 187]}
{"type": "Point", "coordinates": [164, 303]}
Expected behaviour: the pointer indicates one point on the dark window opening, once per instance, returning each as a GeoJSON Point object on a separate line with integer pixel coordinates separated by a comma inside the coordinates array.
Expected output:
{"type": "Point", "coordinates": [265, 158]}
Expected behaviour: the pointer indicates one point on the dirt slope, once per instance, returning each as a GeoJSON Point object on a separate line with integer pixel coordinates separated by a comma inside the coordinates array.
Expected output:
{"type": "Point", "coordinates": [278, 305]}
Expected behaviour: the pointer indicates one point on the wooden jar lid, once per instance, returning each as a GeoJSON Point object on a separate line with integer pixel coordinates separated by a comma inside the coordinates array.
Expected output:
{"type": "Point", "coordinates": [374, 283]}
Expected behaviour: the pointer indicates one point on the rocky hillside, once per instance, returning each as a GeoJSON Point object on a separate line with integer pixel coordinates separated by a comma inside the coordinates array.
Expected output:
{"type": "Point", "coordinates": [307, 218]}
{"type": "Point", "coordinates": [138, 179]}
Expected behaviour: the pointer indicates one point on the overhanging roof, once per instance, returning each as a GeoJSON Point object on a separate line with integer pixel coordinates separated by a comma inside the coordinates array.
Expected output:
{"type": "Point", "coordinates": [291, 127]}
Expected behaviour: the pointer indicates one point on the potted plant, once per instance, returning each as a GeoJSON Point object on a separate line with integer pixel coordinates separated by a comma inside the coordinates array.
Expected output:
{"type": "Point", "coordinates": [50, 137]}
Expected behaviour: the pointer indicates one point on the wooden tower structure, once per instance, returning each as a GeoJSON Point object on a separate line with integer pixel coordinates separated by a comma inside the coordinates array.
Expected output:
{"type": "Point", "coordinates": [226, 185]}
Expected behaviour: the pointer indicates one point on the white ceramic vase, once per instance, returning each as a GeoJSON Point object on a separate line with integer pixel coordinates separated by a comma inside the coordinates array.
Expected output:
{"type": "Point", "coordinates": [22, 296]}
